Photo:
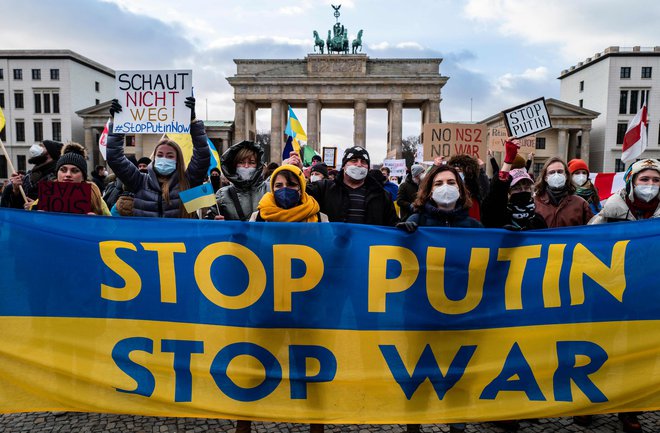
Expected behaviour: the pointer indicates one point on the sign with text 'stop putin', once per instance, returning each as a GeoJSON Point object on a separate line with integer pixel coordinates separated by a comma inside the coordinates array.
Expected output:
{"type": "Point", "coordinates": [153, 102]}
{"type": "Point", "coordinates": [527, 119]}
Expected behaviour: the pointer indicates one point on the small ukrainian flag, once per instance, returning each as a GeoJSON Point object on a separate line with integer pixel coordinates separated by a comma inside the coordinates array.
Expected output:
{"type": "Point", "coordinates": [198, 197]}
{"type": "Point", "coordinates": [215, 156]}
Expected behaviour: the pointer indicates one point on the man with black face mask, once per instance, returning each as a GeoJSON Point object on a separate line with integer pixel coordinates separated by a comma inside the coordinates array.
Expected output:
{"type": "Point", "coordinates": [510, 203]}
{"type": "Point", "coordinates": [44, 156]}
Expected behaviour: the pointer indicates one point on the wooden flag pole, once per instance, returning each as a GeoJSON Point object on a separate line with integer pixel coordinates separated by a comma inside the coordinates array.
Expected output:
{"type": "Point", "coordinates": [13, 170]}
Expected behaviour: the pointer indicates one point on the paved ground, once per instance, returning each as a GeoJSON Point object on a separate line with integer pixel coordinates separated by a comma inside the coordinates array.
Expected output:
{"type": "Point", "coordinates": [93, 422]}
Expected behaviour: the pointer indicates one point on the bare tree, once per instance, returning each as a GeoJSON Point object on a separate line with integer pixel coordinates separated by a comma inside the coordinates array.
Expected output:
{"type": "Point", "coordinates": [409, 150]}
{"type": "Point", "coordinates": [263, 140]}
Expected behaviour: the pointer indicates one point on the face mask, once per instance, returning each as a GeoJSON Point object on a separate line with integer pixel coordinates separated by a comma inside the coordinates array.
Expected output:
{"type": "Point", "coordinates": [556, 180]}
{"type": "Point", "coordinates": [446, 195]}
{"type": "Point", "coordinates": [286, 198]}
{"type": "Point", "coordinates": [165, 166]}
{"type": "Point", "coordinates": [105, 173]}
{"type": "Point", "coordinates": [245, 173]}
{"type": "Point", "coordinates": [579, 179]}
{"type": "Point", "coordinates": [521, 207]}
{"type": "Point", "coordinates": [315, 178]}
{"type": "Point", "coordinates": [356, 173]}
{"type": "Point", "coordinates": [647, 192]}
{"type": "Point", "coordinates": [36, 150]}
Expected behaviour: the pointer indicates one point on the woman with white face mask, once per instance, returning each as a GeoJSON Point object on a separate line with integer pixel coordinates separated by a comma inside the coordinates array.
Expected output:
{"type": "Point", "coordinates": [584, 188]}
{"type": "Point", "coordinates": [442, 200]}
{"type": "Point", "coordinates": [555, 198]}
{"type": "Point", "coordinates": [639, 199]}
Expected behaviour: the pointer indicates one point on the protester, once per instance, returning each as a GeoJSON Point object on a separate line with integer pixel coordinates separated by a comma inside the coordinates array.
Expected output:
{"type": "Point", "coordinates": [353, 196]}
{"type": "Point", "coordinates": [391, 187]}
{"type": "Point", "coordinates": [242, 164]}
{"type": "Point", "coordinates": [115, 190]}
{"type": "Point", "coordinates": [555, 198]}
{"type": "Point", "coordinates": [157, 191]}
{"type": "Point", "coordinates": [72, 167]}
{"type": "Point", "coordinates": [288, 200]}
{"type": "Point", "coordinates": [99, 176]}
{"type": "Point", "coordinates": [44, 156]}
{"type": "Point", "coordinates": [143, 164]}
{"type": "Point", "coordinates": [318, 172]}
{"type": "Point", "coordinates": [316, 159]}
{"type": "Point", "coordinates": [408, 190]}
{"type": "Point", "coordinates": [474, 176]}
{"type": "Point", "coordinates": [332, 174]}
{"type": "Point", "coordinates": [585, 189]}
{"type": "Point", "coordinates": [215, 177]}
{"type": "Point", "coordinates": [510, 204]}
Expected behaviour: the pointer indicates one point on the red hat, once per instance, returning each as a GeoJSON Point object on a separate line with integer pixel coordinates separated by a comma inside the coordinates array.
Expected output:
{"type": "Point", "coordinates": [577, 164]}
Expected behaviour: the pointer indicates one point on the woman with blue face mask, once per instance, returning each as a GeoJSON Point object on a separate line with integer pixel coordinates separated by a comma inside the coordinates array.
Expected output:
{"type": "Point", "coordinates": [157, 191]}
{"type": "Point", "coordinates": [288, 201]}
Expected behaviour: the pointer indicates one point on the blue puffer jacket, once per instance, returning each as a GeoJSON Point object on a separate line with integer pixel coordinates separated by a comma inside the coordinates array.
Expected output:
{"type": "Point", "coordinates": [148, 201]}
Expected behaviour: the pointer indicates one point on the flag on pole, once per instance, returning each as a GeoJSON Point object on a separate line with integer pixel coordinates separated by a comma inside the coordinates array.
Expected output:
{"type": "Point", "coordinates": [2, 119]}
{"type": "Point", "coordinates": [103, 139]}
{"type": "Point", "coordinates": [295, 133]}
{"type": "Point", "coordinates": [185, 143]}
{"type": "Point", "coordinates": [215, 156]}
{"type": "Point", "coordinates": [198, 197]}
{"type": "Point", "coordinates": [308, 154]}
{"type": "Point", "coordinates": [636, 138]}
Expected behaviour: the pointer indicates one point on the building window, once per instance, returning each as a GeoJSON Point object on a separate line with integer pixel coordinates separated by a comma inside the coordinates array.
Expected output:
{"type": "Point", "coordinates": [54, 74]}
{"type": "Point", "coordinates": [630, 101]}
{"type": "Point", "coordinates": [581, 103]}
{"type": "Point", "coordinates": [646, 71]}
{"type": "Point", "coordinates": [2, 100]}
{"type": "Point", "coordinates": [619, 165]}
{"type": "Point", "coordinates": [37, 103]}
{"type": "Point", "coordinates": [38, 130]}
{"type": "Point", "coordinates": [620, 132]}
{"type": "Point", "coordinates": [538, 166]}
{"type": "Point", "coordinates": [581, 86]}
{"type": "Point", "coordinates": [3, 135]}
{"type": "Point", "coordinates": [46, 102]}
{"type": "Point", "coordinates": [18, 100]}
{"type": "Point", "coordinates": [18, 74]}
{"type": "Point", "coordinates": [97, 101]}
{"type": "Point", "coordinates": [36, 74]}
{"type": "Point", "coordinates": [3, 167]}
{"type": "Point", "coordinates": [20, 162]}
{"type": "Point", "coordinates": [20, 130]}
{"type": "Point", "coordinates": [57, 131]}
{"type": "Point", "coordinates": [2, 74]}
{"type": "Point", "coordinates": [97, 86]}
{"type": "Point", "coordinates": [625, 72]}
{"type": "Point", "coordinates": [130, 141]}
{"type": "Point", "coordinates": [56, 103]}
{"type": "Point", "coordinates": [540, 143]}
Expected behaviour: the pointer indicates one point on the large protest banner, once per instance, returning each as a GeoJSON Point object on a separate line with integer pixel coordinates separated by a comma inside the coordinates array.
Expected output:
{"type": "Point", "coordinates": [336, 323]}
{"type": "Point", "coordinates": [153, 102]}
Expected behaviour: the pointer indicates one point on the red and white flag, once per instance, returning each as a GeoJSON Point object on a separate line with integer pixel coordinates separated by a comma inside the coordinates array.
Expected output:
{"type": "Point", "coordinates": [636, 138]}
{"type": "Point", "coordinates": [104, 138]}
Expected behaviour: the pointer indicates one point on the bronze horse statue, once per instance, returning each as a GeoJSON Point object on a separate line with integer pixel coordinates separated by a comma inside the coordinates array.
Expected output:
{"type": "Point", "coordinates": [357, 43]}
{"type": "Point", "coordinates": [318, 42]}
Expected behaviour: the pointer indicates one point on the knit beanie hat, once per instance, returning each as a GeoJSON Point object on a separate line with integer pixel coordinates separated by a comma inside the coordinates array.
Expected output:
{"type": "Point", "coordinates": [320, 168]}
{"type": "Point", "coordinates": [577, 164]}
{"type": "Point", "coordinates": [73, 154]}
{"type": "Point", "coordinates": [54, 148]}
{"type": "Point", "coordinates": [144, 160]}
{"type": "Point", "coordinates": [355, 152]}
{"type": "Point", "coordinates": [416, 170]}
{"type": "Point", "coordinates": [644, 164]}
{"type": "Point", "coordinates": [519, 162]}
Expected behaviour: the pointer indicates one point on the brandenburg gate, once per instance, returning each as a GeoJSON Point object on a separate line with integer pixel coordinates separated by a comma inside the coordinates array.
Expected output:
{"type": "Point", "coordinates": [321, 81]}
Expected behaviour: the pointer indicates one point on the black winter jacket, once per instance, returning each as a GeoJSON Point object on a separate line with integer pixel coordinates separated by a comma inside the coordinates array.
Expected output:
{"type": "Point", "coordinates": [406, 196]}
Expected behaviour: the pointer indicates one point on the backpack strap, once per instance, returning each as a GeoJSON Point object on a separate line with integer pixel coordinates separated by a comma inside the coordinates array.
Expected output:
{"type": "Point", "coordinates": [237, 204]}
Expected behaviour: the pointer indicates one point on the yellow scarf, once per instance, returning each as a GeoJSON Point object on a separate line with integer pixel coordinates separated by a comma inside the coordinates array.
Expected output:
{"type": "Point", "coordinates": [307, 211]}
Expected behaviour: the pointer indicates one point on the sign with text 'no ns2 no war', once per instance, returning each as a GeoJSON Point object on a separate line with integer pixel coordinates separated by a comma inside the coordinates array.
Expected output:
{"type": "Point", "coordinates": [448, 139]}
{"type": "Point", "coordinates": [153, 102]}
{"type": "Point", "coordinates": [527, 119]}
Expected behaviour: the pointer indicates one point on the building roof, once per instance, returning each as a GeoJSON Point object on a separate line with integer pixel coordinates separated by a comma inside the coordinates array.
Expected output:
{"type": "Point", "coordinates": [57, 54]}
{"type": "Point", "coordinates": [219, 123]}
{"type": "Point", "coordinates": [612, 52]}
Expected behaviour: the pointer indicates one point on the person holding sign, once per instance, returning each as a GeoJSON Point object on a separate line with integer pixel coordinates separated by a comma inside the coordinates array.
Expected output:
{"type": "Point", "coordinates": [555, 198]}
{"type": "Point", "coordinates": [157, 191]}
{"type": "Point", "coordinates": [71, 167]}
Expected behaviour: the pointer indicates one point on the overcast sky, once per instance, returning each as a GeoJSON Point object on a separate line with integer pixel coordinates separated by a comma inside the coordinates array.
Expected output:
{"type": "Point", "coordinates": [497, 53]}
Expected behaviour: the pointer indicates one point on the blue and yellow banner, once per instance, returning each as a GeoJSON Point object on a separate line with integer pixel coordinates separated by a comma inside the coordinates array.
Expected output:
{"type": "Point", "coordinates": [326, 323]}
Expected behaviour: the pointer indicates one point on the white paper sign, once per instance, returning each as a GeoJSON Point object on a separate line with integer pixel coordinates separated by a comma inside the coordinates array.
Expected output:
{"type": "Point", "coordinates": [397, 166]}
{"type": "Point", "coordinates": [528, 118]}
{"type": "Point", "coordinates": [153, 102]}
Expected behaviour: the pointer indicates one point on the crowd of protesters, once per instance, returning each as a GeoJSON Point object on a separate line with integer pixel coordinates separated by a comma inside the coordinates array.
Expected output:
{"type": "Point", "coordinates": [449, 193]}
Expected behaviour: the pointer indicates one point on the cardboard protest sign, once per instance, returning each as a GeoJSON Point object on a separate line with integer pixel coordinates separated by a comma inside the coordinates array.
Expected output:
{"type": "Point", "coordinates": [153, 102]}
{"type": "Point", "coordinates": [527, 119]}
{"type": "Point", "coordinates": [448, 139]}
{"type": "Point", "coordinates": [397, 166]}
{"type": "Point", "coordinates": [67, 197]}
{"type": "Point", "coordinates": [497, 137]}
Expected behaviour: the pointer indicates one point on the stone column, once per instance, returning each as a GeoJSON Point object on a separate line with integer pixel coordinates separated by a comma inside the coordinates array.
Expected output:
{"type": "Point", "coordinates": [360, 123]}
{"type": "Point", "coordinates": [277, 142]}
{"type": "Point", "coordinates": [562, 143]}
{"type": "Point", "coordinates": [251, 120]}
{"type": "Point", "coordinates": [395, 127]}
{"type": "Point", "coordinates": [584, 153]}
{"type": "Point", "coordinates": [139, 146]}
{"type": "Point", "coordinates": [91, 149]}
{"type": "Point", "coordinates": [313, 111]}
{"type": "Point", "coordinates": [434, 111]}
{"type": "Point", "coordinates": [572, 145]}
{"type": "Point", "coordinates": [240, 130]}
